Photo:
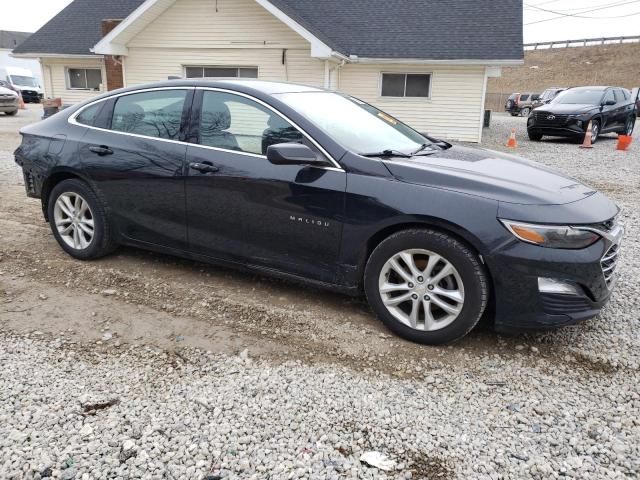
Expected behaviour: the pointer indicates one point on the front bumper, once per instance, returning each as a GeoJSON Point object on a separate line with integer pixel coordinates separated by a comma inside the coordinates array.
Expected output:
{"type": "Point", "coordinates": [519, 303]}
{"type": "Point", "coordinates": [31, 96]}
{"type": "Point", "coordinates": [561, 126]}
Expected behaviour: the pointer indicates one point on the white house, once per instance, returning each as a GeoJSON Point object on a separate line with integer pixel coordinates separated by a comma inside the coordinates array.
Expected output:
{"type": "Point", "coordinates": [424, 61]}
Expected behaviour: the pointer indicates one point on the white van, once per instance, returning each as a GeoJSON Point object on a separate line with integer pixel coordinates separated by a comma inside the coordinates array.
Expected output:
{"type": "Point", "coordinates": [23, 80]}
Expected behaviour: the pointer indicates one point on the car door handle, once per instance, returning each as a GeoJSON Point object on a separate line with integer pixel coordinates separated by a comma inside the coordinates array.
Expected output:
{"type": "Point", "coordinates": [204, 167]}
{"type": "Point", "coordinates": [101, 150]}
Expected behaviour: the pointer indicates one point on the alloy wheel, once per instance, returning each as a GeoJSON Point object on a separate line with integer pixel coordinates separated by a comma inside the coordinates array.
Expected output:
{"type": "Point", "coordinates": [595, 130]}
{"type": "Point", "coordinates": [631, 121]}
{"type": "Point", "coordinates": [74, 220]}
{"type": "Point", "coordinates": [421, 289]}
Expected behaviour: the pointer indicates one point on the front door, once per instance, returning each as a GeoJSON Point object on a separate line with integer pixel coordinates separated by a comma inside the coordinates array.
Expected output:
{"type": "Point", "coordinates": [242, 208]}
{"type": "Point", "coordinates": [136, 162]}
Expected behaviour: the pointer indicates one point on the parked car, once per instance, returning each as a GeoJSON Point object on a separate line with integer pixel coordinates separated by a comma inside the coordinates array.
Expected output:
{"type": "Point", "coordinates": [609, 109]}
{"type": "Point", "coordinates": [520, 103]}
{"type": "Point", "coordinates": [23, 80]}
{"type": "Point", "coordinates": [8, 101]}
{"type": "Point", "coordinates": [323, 188]}
{"type": "Point", "coordinates": [548, 95]}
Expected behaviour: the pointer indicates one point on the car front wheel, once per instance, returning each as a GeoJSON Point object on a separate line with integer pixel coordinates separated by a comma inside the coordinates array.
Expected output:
{"type": "Point", "coordinates": [426, 286]}
{"type": "Point", "coordinates": [79, 220]}
{"type": "Point", "coordinates": [534, 136]}
{"type": "Point", "coordinates": [631, 122]}
{"type": "Point", "coordinates": [595, 130]}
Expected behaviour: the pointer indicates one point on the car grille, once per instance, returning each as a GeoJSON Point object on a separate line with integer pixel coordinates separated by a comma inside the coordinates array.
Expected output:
{"type": "Point", "coordinates": [609, 262]}
{"type": "Point", "coordinates": [542, 119]}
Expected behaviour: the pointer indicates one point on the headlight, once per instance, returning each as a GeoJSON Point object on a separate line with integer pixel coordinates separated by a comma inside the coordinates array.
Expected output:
{"type": "Point", "coordinates": [552, 236]}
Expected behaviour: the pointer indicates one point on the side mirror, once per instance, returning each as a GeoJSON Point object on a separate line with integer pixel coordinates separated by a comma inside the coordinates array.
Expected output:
{"type": "Point", "coordinates": [292, 154]}
{"type": "Point", "coordinates": [609, 102]}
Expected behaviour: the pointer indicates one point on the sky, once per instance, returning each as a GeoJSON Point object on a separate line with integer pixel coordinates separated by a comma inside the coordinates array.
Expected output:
{"type": "Point", "coordinates": [567, 19]}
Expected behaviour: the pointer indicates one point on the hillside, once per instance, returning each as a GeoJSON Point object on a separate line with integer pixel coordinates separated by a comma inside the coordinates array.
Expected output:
{"type": "Point", "coordinates": [613, 64]}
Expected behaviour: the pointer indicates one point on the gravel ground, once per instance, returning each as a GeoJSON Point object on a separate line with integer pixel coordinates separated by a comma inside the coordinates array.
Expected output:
{"type": "Point", "coordinates": [144, 366]}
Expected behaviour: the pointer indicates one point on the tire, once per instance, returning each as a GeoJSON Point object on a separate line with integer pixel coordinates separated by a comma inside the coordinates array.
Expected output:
{"type": "Point", "coordinates": [101, 242]}
{"type": "Point", "coordinates": [11, 114]}
{"type": "Point", "coordinates": [534, 136]}
{"type": "Point", "coordinates": [595, 130]}
{"type": "Point", "coordinates": [468, 279]}
{"type": "Point", "coordinates": [525, 112]}
{"type": "Point", "coordinates": [514, 114]}
{"type": "Point", "coordinates": [629, 125]}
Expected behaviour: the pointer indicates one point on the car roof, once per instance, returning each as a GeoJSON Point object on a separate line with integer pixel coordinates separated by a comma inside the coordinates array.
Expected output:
{"type": "Point", "coordinates": [596, 87]}
{"type": "Point", "coordinates": [244, 84]}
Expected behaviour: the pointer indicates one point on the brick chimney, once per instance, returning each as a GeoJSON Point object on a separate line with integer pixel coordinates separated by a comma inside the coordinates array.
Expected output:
{"type": "Point", "coordinates": [113, 65]}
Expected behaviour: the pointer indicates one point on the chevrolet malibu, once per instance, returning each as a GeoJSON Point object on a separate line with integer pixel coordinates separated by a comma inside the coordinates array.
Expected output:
{"type": "Point", "coordinates": [323, 188]}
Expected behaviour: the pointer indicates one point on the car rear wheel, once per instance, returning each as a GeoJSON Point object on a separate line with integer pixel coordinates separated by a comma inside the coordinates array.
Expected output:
{"type": "Point", "coordinates": [11, 113]}
{"type": "Point", "coordinates": [426, 286]}
{"type": "Point", "coordinates": [525, 112]}
{"type": "Point", "coordinates": [534, 136]}
{"type": "Point", "coordinates": [79, 220]}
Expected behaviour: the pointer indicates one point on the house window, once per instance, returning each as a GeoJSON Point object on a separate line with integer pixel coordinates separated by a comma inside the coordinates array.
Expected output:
{"type": "Point", "coordinates": [84, 78]}
{"type": "Point", "coordinates": [217, 72]}
{"type": "Point", "coordinates": [406, 85]}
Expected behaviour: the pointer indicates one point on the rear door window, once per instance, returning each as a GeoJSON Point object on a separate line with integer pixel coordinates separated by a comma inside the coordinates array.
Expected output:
{"type": "Point", "coordinates": [155, 114]}
{"type": "Point", "coordinates": [524, 96]}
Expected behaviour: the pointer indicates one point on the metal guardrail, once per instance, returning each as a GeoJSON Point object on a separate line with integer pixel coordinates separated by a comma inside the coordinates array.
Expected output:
{"type": "Point", "coordinates": [582, 42]}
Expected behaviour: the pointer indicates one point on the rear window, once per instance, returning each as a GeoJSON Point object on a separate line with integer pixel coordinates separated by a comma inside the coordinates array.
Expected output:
{"type": "Point", "coordinates": [513, 96]}
{"type": "Point", "coordinates": [89, 115]}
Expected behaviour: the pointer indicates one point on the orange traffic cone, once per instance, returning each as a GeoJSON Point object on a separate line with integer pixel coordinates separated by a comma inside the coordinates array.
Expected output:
{"type": "Point", "coordinates": [21, 105]}
{"type": "Point", "coordinates": [512, 143]}
{"type": "Point", "coordinates": [587, 138]}
{"type": "Point", "coordinates": [624, 141]}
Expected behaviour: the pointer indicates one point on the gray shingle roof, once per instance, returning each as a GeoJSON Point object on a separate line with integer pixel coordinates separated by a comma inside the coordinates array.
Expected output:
{"type": "Point", "coordinates": [77, 28]}
{"type": "Point", "coordinates": [11, 39]}
{"type": "Point", "coordinates": [428, 29]}
{"type": "Point", "coordinates": [431, 29]}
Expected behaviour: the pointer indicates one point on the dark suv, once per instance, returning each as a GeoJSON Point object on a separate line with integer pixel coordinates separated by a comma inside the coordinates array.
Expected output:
{"type": "Point", "coordinates": [609, 109]}
{"type": "Point", "coordinates": [521, 103]}
{"type": "Point", "coordinates": [548, 95]}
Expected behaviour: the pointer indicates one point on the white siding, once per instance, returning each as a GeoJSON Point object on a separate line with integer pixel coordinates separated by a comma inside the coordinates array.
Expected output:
{"type": "Point", "coordinates": [453, 111]}
{"type": "Point", "coordinates": [54, 72]}
{"type": "Point", "coordinates": [217, 24]}
{"type": "Point", "coordinates": [144, 65]}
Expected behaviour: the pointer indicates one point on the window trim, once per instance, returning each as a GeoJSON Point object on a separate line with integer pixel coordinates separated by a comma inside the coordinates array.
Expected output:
{"type": "Point", "coordinates": [406, 74]}
{"type": "Point", "coordinates": [67, 71]}
{"type": "Point", "coordinates": [72, 120]}
{"type": "Point", "coordinates": [237, 67]}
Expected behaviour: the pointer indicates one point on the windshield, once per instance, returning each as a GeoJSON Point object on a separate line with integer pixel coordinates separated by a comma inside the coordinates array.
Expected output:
{"type": "Point", "coordinates": [587, 95]}
{"type": "Point", "coordinates": [354, 124]}
{"type": "Point", "coordinates": [24, 81]}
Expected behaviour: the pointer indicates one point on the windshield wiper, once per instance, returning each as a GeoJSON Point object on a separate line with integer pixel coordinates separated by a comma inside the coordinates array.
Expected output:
{"type": "Point", "coordinates": [387, 153]}
{"type": "Point", "coordinates": [424, 146]}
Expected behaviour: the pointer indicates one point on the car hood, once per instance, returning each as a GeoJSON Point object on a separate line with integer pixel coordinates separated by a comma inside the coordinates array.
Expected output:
{"type": "Point", "coordinates": [567, 108]}
{"type": "Point", "coordinates": [6, 91]}
{"type": "Point", "coordinates": [490, 174]}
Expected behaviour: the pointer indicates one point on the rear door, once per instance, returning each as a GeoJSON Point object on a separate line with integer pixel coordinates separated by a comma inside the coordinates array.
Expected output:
{"type": "Point", "coordinates": [136, 161]}
{"type": "Point", "coordinates": [244, 209]}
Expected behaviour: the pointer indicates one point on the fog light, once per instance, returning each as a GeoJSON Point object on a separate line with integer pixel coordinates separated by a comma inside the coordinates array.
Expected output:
{"type": "Point", "coordinates": [551, 285]}
{"type": "Point", "coordinates": [579, 123]}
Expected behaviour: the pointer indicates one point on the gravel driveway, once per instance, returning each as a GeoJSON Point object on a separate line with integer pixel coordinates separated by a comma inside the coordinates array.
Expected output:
{"type": "Point", "coordinates": [145, 366]}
